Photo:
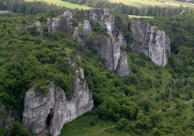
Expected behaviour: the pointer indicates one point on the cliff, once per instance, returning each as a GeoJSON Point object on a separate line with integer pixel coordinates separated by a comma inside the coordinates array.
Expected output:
{"type": "Point", "coordinates": [53, 110]}
{"type": "Point", "coordinates": [153, 42]}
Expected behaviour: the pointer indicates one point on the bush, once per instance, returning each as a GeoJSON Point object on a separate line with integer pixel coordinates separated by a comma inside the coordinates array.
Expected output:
{"type": "Point", "coordinates": [19, 130]}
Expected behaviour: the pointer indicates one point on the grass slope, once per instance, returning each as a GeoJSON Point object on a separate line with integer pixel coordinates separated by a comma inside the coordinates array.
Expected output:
{"type": "Point", "coordinates": [81, 127]}
{"type": "Point", "coordinates": [63, 3]}
{"type": "Point", "coordinates": [141, 3]}
{"type": "Point", "coordinates": [3, 11]}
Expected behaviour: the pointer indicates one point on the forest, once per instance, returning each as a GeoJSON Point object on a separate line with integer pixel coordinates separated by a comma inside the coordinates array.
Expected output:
{"type": "Point", "coordinates": [150, 101]}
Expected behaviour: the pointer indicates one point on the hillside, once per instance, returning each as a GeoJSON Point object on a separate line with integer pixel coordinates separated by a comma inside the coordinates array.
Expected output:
{"type": "Point", "coordinates": [150, 99]}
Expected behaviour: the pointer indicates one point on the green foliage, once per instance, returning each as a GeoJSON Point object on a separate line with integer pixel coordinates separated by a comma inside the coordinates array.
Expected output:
{"type": "Point", "coordinates": [2, 131]}
{"type": "Point", "coordinates": [150, 101]}
{"type": "Point", "coordinates": [19, 130]}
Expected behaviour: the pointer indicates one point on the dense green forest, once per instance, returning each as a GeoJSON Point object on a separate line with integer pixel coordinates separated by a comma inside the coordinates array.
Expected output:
{"type": "Point", "coordinates": [150, 101]}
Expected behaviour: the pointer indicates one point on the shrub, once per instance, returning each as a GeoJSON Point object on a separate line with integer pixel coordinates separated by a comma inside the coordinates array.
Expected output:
{"type": "Point", "coordinates": [19, 130]}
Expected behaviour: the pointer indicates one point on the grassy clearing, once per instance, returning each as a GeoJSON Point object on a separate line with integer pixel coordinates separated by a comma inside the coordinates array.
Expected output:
{"type": "Point", "coordinates": [135, 16]}
{"type": "Point", "coordinates": [142, 3]}
{"type": "Point", "coordinates": [81, 127]}
{"type": "Point", "coordinates": [3, 11]}
{"type": "Point", "coordinates": [63, 3]}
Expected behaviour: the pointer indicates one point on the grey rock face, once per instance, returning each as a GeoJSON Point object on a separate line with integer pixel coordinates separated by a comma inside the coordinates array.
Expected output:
{"type": "Point", "coordinates": [153, 42]}
{"type": "Point", "coordinates": [106, 20]}
{"type": "Point", "coordinates": [82, 32]}
{"type": "Point", "coordinates": [103, 45]}
{"type": "Point", "coordinates": [62, 23]}
{"type": "Point", "coordinates": [87, 28]}
{"type": "Point", "coordinates": [122, 69]}
{"type": "Point", "coordinates": [37, 105]}
{"type": "Point", "coordinates": [6, 118]}
{"type": "Point", "coordinates": [122, 40]}
{"type": "Point", "coordinates": [38, 27]}
{"type": "Point", "coordinates": [35, 27]}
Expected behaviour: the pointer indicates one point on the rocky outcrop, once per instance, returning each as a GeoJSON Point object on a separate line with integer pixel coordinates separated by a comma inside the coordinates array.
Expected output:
{"type": "Point", "coordinates": [106, 20]}
{"type": "Point", "coordinates": [7, 118]}
{"type": "Point", "coordinates": [122, 69]}
{"type": "Point", "coordinates": [82, 32]}
{"type": "Point", "coordinates": [122, 40]}
{"type": "Point", "coordinates": [52, 111]}
{"type": "Point", "coordinates": [87, 28]}
{"type": "Point", "coordinates": [35, 28]}
{"type": "Point", "coordinates": [107, 47]}
{"type": "Point", "coordinates": [153, 42]}
{"type": "Point", "coordinates": [63, 22]}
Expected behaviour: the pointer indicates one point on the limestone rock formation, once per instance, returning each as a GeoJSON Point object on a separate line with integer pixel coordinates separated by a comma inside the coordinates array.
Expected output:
{"type": "Point", "coordinates": [122, 40]}
{"type": "Point", "coordinates": [153, 42]}
{"type": "Point", "coordinates": [122, 69]}
{"type": "Point", "coordinates": [87, 28]}
{"type": "Point", "coordinates": [36, 28]}
{"type": "Point", "coordinates": [62, 23]}
{"type": "Point", "coordinates": [106, 20]}
{"type": "Point", "coordinates": [7, 118]}
{"type": "Point", "coordinates": [82, 32]}
{"type": "Point", "coordinates": [52, 111]}
{"type": "Point", "coordinates": [107, 47]}
{"type": "Point", "coordinates": [103, 46]}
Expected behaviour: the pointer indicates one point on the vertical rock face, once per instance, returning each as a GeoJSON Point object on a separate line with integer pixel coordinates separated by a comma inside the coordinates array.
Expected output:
{"type": "Point", "coordinates": [153, 42]}
{"type": "Point", "coordinates": [82, 32]}
{"type": "Point", "coordinates": [122, 40]}
{"type": "Point", "coordinates": [7, 118]}
{"type": "Point", "coordinates": [36, 28]}
{"type": "Point", "coordinates": [107, 21]}
{"type": "Point", "coordinates": [62, 23]}
{"type": "Point", "coordinates": [38, 106]}
{"type": "Point", "coordinates": [107, 47]}
{"type": "Point", "coordinates": [87, 28]}
{"type": "Point", "coordinates": [159, 47]}
{"type": "Point", "coordinates": [103, 46]}
{"type": "Point", "coordinates": [122, 69]}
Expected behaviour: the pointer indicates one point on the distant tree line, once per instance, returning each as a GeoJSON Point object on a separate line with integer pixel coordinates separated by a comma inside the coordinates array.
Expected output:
{"type": "Point", "coordinates": [20, 6]}
{"type": "Point", "coordinates": [189, 1]}
{"type": "Point", "coordinates": [132, 10]}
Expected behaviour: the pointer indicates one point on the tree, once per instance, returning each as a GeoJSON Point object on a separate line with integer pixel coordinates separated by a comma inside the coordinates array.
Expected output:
{"type": "Point", "coordinates": [146, 104]}
{"type": "Point", "coordinates": [19, 130]}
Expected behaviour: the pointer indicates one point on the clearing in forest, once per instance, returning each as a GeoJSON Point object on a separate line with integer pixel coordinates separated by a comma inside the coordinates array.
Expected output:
{"type": "Point", "coordinates": [63, 3]}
